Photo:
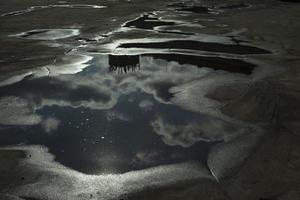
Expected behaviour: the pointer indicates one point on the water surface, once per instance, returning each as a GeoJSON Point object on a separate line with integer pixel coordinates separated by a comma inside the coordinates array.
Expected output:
{"type": "Point", "coordinates": [114, 116]}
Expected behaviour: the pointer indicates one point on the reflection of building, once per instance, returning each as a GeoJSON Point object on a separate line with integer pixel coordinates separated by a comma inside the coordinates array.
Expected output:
{"type": "Point", "coordinates": [124, 63]}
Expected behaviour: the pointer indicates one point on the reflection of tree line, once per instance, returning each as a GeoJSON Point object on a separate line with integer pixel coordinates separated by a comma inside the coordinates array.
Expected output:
{"type": "Point", "coordinates": [124, 63]}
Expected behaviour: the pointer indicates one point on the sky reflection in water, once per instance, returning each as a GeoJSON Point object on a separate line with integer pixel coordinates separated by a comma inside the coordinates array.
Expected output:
{"type": "Point", "coordinates": [114, 116]}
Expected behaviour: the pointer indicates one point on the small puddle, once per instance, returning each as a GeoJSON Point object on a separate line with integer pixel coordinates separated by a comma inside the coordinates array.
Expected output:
{"type": "Point", "coordinates": [147, 21]}
{"type": "Point", "coordinates": [150, 22]}
{"type": "Point", "coordinates": [98, 121]}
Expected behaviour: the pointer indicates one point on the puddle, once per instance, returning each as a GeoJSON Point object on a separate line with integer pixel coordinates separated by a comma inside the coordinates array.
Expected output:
{"type": "Point", "coordinates": [150, 22]}
{"type": "Point", "coordinates": [48, 34]}
{"type": "Point", "coordinates": [36, 8]}
{"type": "Point", "coordinates": [199, 46]}
{"type": "Point", "coordinates": [147, 21]}
{"type": "Point", "coordinates": [114, 116]}
{"type": "Point", "coordinates": [114, 113]}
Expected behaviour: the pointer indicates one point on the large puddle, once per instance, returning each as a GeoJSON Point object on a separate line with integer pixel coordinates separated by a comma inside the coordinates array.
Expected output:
{"type": "Point", "coordinates": [116, 115]}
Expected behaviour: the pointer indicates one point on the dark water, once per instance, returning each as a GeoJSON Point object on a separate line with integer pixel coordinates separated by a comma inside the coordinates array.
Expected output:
{"type": "Point", "coordinates": [148, 21]}
{"type": "Point", "coordinates": [131, 62]}
{"type": "Point", "coordinates": [99, 130]}
{"type": "Point", "coordinates": [194, 9]}
{"type": "Point", "coordinates": [200, 46]}
{"type": "Point", "coordinates": [235, 6]}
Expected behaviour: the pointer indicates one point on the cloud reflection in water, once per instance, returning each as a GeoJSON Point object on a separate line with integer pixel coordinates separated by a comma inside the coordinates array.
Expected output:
{"type": "Point", "coordinates": [99, 111]}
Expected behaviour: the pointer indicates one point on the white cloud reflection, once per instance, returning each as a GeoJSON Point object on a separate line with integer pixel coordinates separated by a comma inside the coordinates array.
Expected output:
{"type": "Point", "coordinates": [146, 105]}
{"type": "Point", "coordinates": [185, 135]}
{"type": "Point", "coordinates": [186, 86]}
{"type": "Point", "coordinates": [18, 111]}
{"type": "Point", "coordinates": [50, 124]}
